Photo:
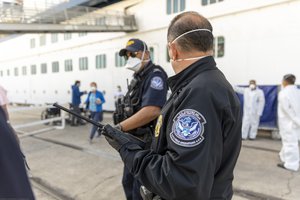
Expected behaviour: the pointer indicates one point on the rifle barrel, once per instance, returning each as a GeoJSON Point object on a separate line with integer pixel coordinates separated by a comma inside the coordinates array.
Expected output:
{"type": "Point", "coordinates": [78, 115]}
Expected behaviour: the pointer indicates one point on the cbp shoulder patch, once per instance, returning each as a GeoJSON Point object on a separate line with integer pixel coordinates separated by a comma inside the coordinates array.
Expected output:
{"type": "Point", "coordinates": [157, 83]}
{"type": "Point", "coordinates": [188, 128]}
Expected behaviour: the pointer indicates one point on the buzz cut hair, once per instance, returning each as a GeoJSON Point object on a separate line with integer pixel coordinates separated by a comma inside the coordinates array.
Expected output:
{"type": "Point", "coordinates": [198, 40]}
{"type": "Point", "coordinates": [290, 78]}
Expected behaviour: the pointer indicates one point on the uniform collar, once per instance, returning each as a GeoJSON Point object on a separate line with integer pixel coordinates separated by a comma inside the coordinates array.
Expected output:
{"type": "Point", "coordinates": [184, 77]}
{"type": "Point", "coordinates": [144, 70]}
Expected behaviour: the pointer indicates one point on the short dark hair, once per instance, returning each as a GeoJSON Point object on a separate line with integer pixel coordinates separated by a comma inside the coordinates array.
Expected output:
{"type": "Point", "coordinates": [198, 40]}
{"type": "Point", "coordinates": [94, 83]}
{"type": "Point", "coordinates": [252, 81]}
{"type": "Point", "coordinates": [76, 82]}
{"type": "Point", "coordinates": [290, 78]}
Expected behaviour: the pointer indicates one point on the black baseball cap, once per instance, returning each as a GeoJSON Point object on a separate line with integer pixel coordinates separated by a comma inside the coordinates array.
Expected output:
{"type": "Point", "coordinates": [133, 45]}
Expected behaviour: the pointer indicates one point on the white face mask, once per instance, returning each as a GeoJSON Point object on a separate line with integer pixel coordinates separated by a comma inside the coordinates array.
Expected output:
{"type": "Point", "coordinates": [252, 86]}
{"type": "Point", "coordinates": [93, 88]}
{"type": "Point", "coordinates": [191, 31]}
{"type": "Point", "coordinates": [135, 64]}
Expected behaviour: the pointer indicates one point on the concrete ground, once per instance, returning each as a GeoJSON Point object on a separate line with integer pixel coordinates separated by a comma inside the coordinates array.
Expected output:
{"type": "Point", "coordinates": [65, 166]}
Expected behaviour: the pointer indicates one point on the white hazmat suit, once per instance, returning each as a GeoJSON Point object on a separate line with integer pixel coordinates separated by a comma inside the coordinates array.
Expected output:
{"type": "Point", "coordinates": [254, 102]}
{"type": "Point", "coordinates": [289, 126]}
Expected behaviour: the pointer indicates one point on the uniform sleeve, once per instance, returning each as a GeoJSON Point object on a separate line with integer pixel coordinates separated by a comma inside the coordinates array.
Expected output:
{"type": "Point", "coordinates": [155, 90]}
{"type": "Point", "coordinates": [240, 90]}
{"type": "Point", "coordinates": [261, 103]}
{"type": "Point", "coordinates": [186, 170]}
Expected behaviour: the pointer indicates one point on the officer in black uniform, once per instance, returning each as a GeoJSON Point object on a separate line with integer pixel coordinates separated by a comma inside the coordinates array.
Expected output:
{"type": "Point", "coordinates": [142, 103]}
{"type": "Point", "coordinates": [198, 134]}
{"type": "Point", "coordinates": [14, 183]}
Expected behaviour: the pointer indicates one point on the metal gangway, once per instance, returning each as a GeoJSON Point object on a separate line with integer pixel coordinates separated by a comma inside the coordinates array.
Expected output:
{"type": "Point", "coordinates": [62, 17]}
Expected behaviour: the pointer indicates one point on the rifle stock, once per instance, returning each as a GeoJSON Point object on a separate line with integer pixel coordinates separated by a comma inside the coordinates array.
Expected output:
{"type": "Point", "coordinates": [78, 115]}
{"type": "Point", "coordinates": [101, 126]}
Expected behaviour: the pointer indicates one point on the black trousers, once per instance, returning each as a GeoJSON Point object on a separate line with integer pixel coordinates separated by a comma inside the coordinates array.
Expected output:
{"type": "Point", "coordinates": [131, 186]}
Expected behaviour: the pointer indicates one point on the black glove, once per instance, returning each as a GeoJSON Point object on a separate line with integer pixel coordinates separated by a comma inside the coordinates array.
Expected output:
{"type": "Point", "coordinates": [117, 139]}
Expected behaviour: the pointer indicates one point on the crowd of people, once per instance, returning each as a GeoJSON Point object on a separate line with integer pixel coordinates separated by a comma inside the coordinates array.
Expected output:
{"type": "Point", "coordinates": [184, 147]}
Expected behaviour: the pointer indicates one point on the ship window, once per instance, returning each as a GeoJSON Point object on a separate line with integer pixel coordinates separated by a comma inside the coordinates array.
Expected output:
{"type": "Point", "coordinates": [33, 69]}
{"type": "Point", "coordinates": [24, 70]}
{"type": "Point", "coordinates": [16, 71]}
{"type": "Point", "coordinates": [119, 60]}
{"type": "Point", "coordinates": [54, 37]}
{"type": "Point", "coordinates": [219, 47]}
{"type": "Point", "coordinates": [55, 67]}
{"type": "Point", "coordinates": [207, 2]}
{"type": "Point", "coordinates": [175, 6]}
{"type": "Point", "coordinates": [82, 34]}
{"type": "Point", "coordinates": [83, 63]}
{"type": "Point", "coordinates": [67, 36]}
{"type": "Point", "coordinates": [32, 43]}
{"type": "Point", "coordinates": [100, 61]}
{"type": "Point", "coordinates": [68, 65]}
{"type": "Point", "coordinates": [43, 68]}
{"type": "Point", "coordinates": [43, 40]}
{"type": "Point", "coordinates": [151, 50]}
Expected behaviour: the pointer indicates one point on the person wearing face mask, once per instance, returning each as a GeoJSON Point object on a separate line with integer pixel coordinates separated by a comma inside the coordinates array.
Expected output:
{"type": "Point", "coordinates": [254, 103]}
{"type": "Point", "coordinates": [289, 123]}
{"type": "Point", "coordinates": [138, 110]}
{"type": "Point", "coordinates": [198, 133]}
{"type": "Point", "coordinates": [76, 101]}
{"type": "Point", "coordinates": [94, 102]}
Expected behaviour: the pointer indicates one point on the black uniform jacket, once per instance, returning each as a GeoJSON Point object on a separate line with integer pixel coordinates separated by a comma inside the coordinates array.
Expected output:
{"type": "Point", "coordinates": [14, 183]}
{"type": "Point", "coordinates": [198, 138]}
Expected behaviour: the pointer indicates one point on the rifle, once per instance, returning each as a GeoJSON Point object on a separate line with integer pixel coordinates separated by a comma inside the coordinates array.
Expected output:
{"type": "Point", "coordinates": [116, 132]}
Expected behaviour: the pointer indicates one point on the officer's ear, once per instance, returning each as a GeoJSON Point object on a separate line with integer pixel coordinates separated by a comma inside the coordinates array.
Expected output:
{"type": "Point", "coordinates": [173, 52]}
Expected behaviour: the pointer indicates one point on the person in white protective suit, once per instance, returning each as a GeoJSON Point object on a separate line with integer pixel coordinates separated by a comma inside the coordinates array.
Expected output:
{"type": "Point", "coordinates": [289, 123]}
{"type": "Point", "coordinates": [254, 102]}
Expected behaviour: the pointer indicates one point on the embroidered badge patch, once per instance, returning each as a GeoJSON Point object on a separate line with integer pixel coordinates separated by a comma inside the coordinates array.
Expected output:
{"type": "Point", "coordinates": [188, 128]}
{"type": "Point", "coordinates": [157, 83]}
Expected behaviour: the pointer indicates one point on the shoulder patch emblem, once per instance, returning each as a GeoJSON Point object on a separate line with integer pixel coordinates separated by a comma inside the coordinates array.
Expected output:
{"type": "Point", "coordinates": [188, 128]}
{"type": "Point", "coordinates": [157, 83]}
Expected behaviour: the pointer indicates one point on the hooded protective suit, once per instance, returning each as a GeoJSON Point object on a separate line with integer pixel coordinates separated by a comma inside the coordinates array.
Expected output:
{"type": "Point", "coordinates": [254, 103]}
{"type": "Point", "coordinates": [289, 126]}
